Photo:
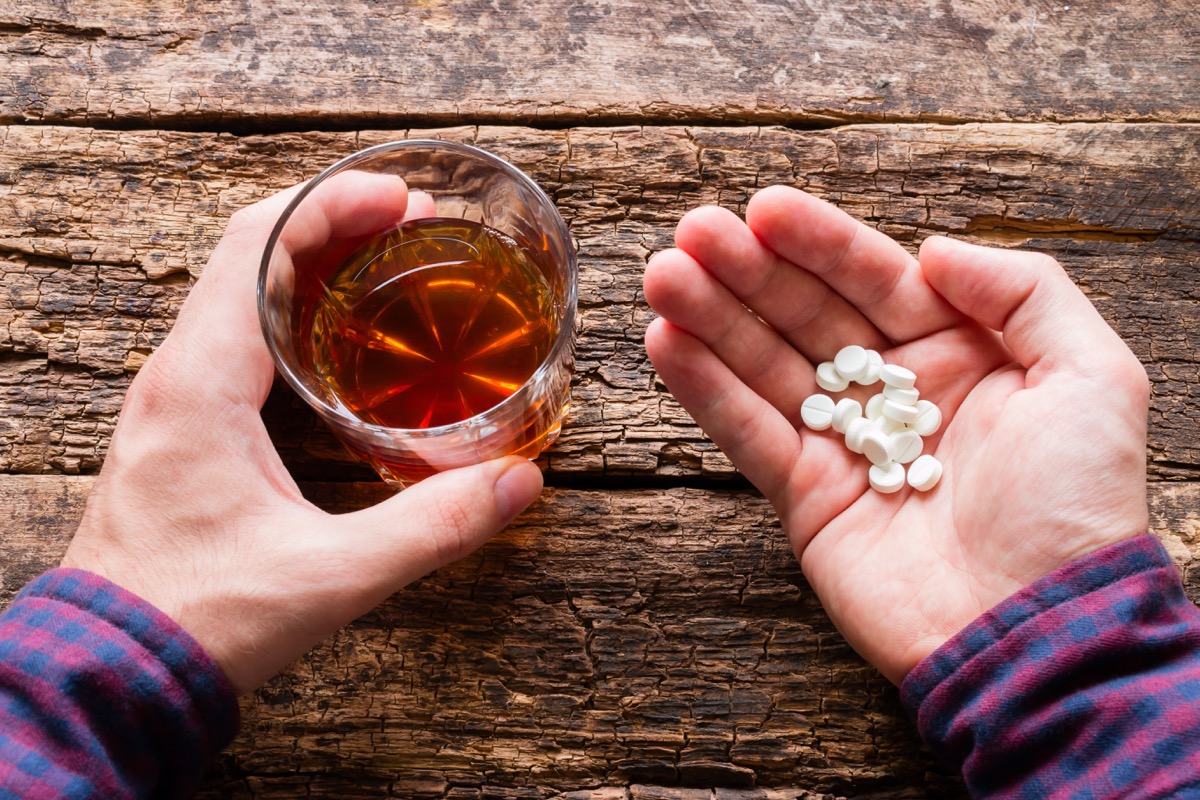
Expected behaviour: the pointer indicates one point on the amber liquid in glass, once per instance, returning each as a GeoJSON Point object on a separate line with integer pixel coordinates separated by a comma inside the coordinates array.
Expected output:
{"type": "Point", "coordinates": [430, 324]}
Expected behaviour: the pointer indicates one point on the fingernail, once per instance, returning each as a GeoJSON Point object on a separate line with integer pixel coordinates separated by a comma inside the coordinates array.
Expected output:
{"type": "Point", "coordinates": [421, 200]}
{"type": "Point", "coordinates": [420, 205]}
{"type": "Point", "coordinates": [517, 487]}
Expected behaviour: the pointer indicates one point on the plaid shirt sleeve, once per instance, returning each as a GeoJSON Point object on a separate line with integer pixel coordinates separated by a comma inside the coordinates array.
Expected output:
{"type": "Point", "coordinates": [104, 696]}
{"type": "Point", "coordinates": [1085, 684]}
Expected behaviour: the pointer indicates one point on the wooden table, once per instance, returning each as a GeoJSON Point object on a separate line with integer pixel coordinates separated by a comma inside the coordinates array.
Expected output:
{"type": "Point", "coordinates": [642, 632]}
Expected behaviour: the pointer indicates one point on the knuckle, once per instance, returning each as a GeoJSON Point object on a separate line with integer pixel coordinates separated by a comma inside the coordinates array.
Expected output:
{"type": "Point", "coordinates": [154, 392]}
{"type": "Point", "coordinates": [449, 530]}
{"type": "Point", "coordinates": [1044, 262]}
{"type": "Point", "coordinates": [249, 222]}
{"type": "Point", "coordinates": [170, 388]}
{"type": "Point", "coordinates": [1126, 373]}
{"type": "Point", "coordinates": [245, 218]}
{"type": "Point", "coordinates": [240, 221]}
{"type": "Point", "coordinates": [1037, 263]}
{"type": "Point", "coordinates": [1132, 373]}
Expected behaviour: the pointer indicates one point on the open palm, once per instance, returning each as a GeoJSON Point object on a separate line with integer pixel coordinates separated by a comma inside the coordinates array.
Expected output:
{"type": "Point", "coordinates": [1043, 443]}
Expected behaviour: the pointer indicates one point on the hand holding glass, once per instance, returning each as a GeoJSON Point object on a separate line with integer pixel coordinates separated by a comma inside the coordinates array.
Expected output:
{"type": "Point", "coordinates": [436, 341]}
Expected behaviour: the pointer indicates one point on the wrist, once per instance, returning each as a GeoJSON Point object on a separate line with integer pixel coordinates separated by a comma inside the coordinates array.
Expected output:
{"type": "Point", "coordinates": [1095, 566]}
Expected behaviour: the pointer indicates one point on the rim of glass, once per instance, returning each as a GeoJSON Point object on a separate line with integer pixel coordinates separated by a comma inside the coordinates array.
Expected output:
{"type": "Point", "coordinates": [566, 328]}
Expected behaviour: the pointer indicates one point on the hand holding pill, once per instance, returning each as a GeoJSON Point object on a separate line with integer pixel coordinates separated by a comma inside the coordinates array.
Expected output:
{"type": "Point", "coordinates": [994, 363]}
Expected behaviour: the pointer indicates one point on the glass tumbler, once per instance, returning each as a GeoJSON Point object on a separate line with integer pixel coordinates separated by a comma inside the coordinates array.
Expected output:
{"type": "Point", "coordinates": [430, 335]}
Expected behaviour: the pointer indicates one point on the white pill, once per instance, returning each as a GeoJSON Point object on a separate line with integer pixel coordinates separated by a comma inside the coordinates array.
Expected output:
{"type": "Point", "coordinates": [851, 362]}
{"type": "Point", "coordinates": [905, 445]}
{"type": "Point", "coordinates": [908, 397]}
{"type": "Point", "coordinates": [874, 364]}
{"type": "Point", "coordinates": [829, 379]}
{"type": "Point", "coordinates": [887, 478]}
{"type": "Point", "coordinates": [924, 473]}
{"type": "Point", "coordinates": [897, 376]}
{"type": "Point", "coordinates": [844, 412]}
{"type": "Point", "coordinates": [888, 425]}
{"type": "Point", "coordinates": [855, 432]}
{"type": "Point", "coordinates": [875, 407]}
{"type": "Point", "coordinates": [900, 412]}
{"type": "Point", "coordinates": [876, 447]}
{"type": "Point", "coordinates": [929, 418]}
{"type": "Point", "coordinates": [817, 412]}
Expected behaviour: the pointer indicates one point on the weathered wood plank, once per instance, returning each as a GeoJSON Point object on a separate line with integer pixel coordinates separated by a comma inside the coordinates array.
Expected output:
{"type": "Point", "coordinates": [99, 231]}
{"type": "Point", "coordinates": [237, 64]}
{"type": "Point", "coordinates": [608, 638]}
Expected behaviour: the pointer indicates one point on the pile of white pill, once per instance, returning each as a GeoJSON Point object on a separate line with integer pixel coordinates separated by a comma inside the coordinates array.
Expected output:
{"type": "Point", "coordinates": [889, 430]}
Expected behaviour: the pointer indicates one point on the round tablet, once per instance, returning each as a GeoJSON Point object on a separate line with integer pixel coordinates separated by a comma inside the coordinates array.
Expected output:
{"type": "Point", "coordinates": [897, 376]}
{"type": "Point", "coordinates": [887, 425]}
{"type": "Point", "coordinates": [900, 412]}
{"type": "Point", "coordinates": [905, 445]}
{"type": "Point", "coordinates": [851, 362]}
{"type": "Point", "coordinates": [908, 397]}
{"type": "Point", "coordinates": [829, 379]}
{"type": "Point", "coordinates": [874, 364]}
{"type": "Point", "coordinates": [887, 478]}
{"type": "Point", "coordinates": [844, 412]}
{"type": "Point", "coordinates": [817, 412]}
{"type": "Point", "coordinates": [855, 432]}
{"type": "Point", "coordinates": [876, 446]}
{"type": "Point", "coordinates": [929, 418]}
{"type": "Point", "coordinates": [875, 407]}
{"type": "Point", "coordinates": [924, 473]}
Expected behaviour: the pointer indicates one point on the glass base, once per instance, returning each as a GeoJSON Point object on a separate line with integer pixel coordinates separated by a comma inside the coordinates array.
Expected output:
{"type": "Point", "coordinates": [400, 475]}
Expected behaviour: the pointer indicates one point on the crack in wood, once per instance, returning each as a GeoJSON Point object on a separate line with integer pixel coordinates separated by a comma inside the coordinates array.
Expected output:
{"type": "Point", "coordinates": [766, 63]}
{"type": "Point", "coordinates": [1002, 230]}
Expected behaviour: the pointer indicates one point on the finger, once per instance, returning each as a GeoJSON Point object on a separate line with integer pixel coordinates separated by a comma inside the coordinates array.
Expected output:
{"type": "Point", "coordinates": [421, 205]}
{"type": "Point", "coordinates": [680, 290]}
{"type": "Point", "coordinates": [348, 205]}
{"type": "Point", "coordinates": [1046, 321]}
{"type": "Point", "coordinates": [439, 520]}
{"type": "Point", "coordinates": [313, 246]}
{"type": "Point", "coordinates": [809, 477]}
{"type": "Point", "coordinates": [805, 311]}
{"type": "Point", "coordinates": [752, 432]}
{"type": "Point", "coordinates": [870, 270]}
{"type": "Point", "coordinates": [217, 344]}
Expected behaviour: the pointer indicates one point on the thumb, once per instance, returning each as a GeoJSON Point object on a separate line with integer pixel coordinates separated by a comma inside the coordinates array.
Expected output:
{"type": "Point", "coordinates": [1047, 322]}
{"type": "Point", "coordinates": [443, 518]}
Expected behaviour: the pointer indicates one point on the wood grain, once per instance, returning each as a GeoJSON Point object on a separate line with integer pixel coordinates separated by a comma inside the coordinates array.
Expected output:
{"type": "Point", "coordinates": [606, 644]}
{"type": "Point", "coordinates": [100, 232]}
{"type": "Point", "coordinates": [619, 641]}
{"type": "Point", "coordinates": [235, 64]}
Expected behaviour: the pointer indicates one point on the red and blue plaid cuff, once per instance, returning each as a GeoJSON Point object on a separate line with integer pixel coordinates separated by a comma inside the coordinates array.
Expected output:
{"type": "Point", "coordinates": [1085, 684]}
{"type": "Point", "coordinates": [103, 695]}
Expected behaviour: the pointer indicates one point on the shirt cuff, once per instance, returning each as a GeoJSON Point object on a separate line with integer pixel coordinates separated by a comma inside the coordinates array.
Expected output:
{"type": "Point", "coordinates": [1084, 680]}
{"type": "Point", "coordinates": [102, 648]}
